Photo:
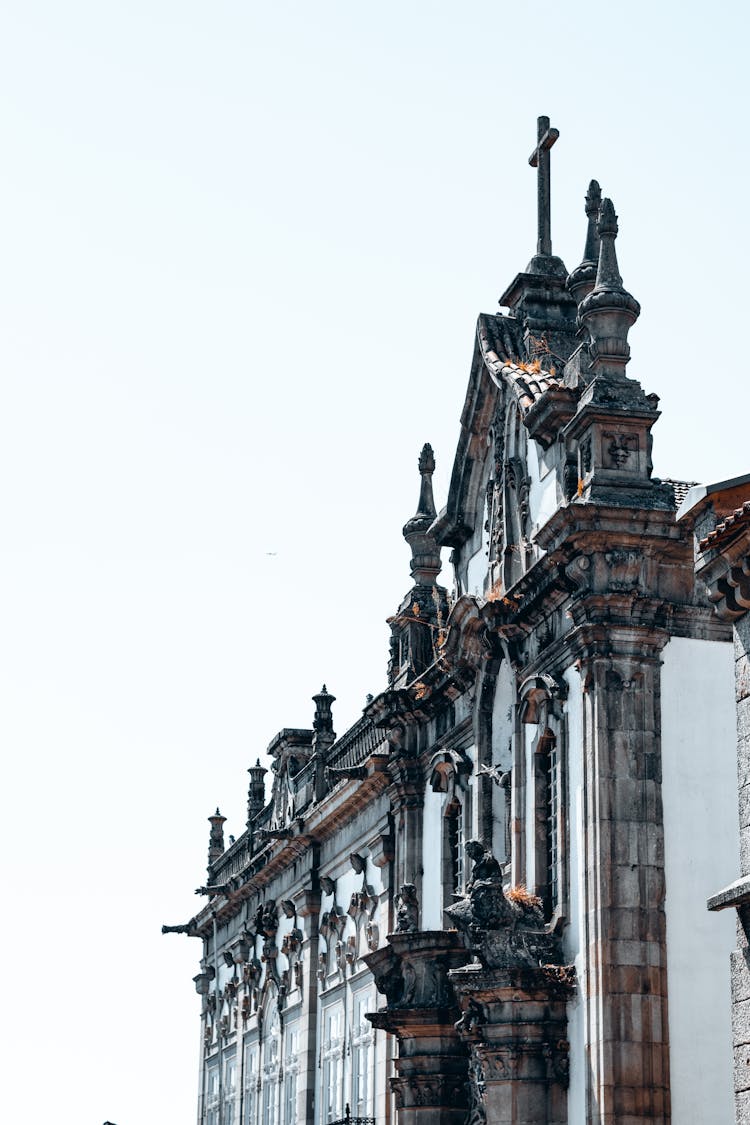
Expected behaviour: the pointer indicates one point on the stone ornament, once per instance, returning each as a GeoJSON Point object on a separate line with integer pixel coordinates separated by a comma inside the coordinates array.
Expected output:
{"type": "Point", "coordinates": [503, 933]}
{"type": "Point", "coordinates": [407, 909]}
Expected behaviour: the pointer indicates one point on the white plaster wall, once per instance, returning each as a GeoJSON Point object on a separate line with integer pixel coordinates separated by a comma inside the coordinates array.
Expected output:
{"type": "Point", "coordinates": [573, 935]}
{"type": "Point", "coordinates": [476, 572]}
{"type": "Point", "coordinates": [432, 845]}
{"type": "Point", "coordinates": [543, 487]}
{"type": "Point", "coordinates": [502, 751]}
{"type": "Point", "coordinates": [701, 856]}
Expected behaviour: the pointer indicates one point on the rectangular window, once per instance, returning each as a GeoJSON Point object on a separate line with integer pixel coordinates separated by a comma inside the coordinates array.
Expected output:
{"type": "Point", "coordinates": [332, 1058]}
{"type": "Point", "coordinates": [251, 1084]}
{"type": "Point", "coordinates": [212, 1096]}
{"type": "Point", "coordinates": [291, 1070]}
{"type": "Point", "coordinates": [230, 1087]}
{"type": "Point", "coordinates": [361, 1045]}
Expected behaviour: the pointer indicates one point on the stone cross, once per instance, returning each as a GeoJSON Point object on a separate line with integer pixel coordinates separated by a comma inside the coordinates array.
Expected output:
{"type": "Point", "coordinates": [539, 159]}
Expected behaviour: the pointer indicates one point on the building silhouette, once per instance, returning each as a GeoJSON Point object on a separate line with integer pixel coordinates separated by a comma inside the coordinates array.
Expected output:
{"type": "Point", "coordinates": [486, 900]}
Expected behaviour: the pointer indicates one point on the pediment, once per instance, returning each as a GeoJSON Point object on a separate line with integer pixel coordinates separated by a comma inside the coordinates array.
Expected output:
{"type": "Point", "coordinates": [509, 471]}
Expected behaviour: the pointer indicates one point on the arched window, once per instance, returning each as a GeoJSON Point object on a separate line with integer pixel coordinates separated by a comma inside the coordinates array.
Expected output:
{"type": "Point", "coordinates": [332, 1059]}
{"type": "Point", "coordinates": [542, 719]}
{"type": "Point", "coordinates": [448, 770]}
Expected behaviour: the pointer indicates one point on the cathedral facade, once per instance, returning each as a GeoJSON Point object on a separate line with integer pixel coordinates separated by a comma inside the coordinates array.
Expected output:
{"type": "Point", "coordinates": [486, 901]}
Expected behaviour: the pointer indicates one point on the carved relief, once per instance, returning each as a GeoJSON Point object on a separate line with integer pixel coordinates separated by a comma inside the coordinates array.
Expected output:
{"type": "Point", "coordinates": [619, 450]}
{"type": "Point", "coordinates": [477, 1111]}
{"type": "Point", "coordinates": [557, 1056]}
{"type": "Point", "coordinates": [474, 1017]}
{"type": "Point", "coordinates": [624, 569]}
{"type": "Point", "coordinates": [585, 456]}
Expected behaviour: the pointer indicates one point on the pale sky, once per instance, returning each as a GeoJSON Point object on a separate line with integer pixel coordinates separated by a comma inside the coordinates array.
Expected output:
{"type": "Point", "coordinates": [242, 251]}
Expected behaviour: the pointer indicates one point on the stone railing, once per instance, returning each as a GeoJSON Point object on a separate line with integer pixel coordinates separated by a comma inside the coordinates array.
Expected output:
{"type": "Point", "coordinates": [354, 747]}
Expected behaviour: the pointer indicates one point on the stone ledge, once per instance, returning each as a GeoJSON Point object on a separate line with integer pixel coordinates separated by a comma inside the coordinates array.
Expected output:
{"type": "Point", "coordinates": [736, 894]}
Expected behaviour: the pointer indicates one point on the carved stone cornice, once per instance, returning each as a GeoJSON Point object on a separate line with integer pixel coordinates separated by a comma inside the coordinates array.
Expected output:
{"type": "Point", "coordinates": [725, 571]}
{"type": "Point", "coordinates": [434, 1091]}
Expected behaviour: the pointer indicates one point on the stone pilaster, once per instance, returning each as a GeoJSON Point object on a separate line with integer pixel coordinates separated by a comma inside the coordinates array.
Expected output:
{"type": "Point", "coordinates": [430, 1084]}
{"type": "Point", "coordinates": [624, 982]}
{"type": "Point", "coordinates": [307, 903]}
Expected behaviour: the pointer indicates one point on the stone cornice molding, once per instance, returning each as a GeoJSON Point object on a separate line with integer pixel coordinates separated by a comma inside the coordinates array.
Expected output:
{"type": "Point", "coordinates": [322, 822]}
{"type": "Point", "coordinates": [725, 571]}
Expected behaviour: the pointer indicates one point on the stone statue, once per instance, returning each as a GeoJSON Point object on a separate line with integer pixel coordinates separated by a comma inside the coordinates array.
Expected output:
{"type": "Point", "coordinates": [407, 909]}
{"type": "Point", "coordinates": [485, 864]}
{"type": "Point", "coordinates": [503, 931]}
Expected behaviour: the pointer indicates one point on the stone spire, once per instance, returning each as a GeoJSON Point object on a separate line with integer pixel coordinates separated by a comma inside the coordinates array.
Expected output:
{"type": "Point", "coordinates": [256, 794]}
{"type": "Point", "coordinates": [425, 553]}
{"type": "Point", "coordinates": [216, 837]}
{"type": "Point", "coordinates": [609, 311]}
{"type": "Point", "coordinates": [323, 720]}
{"type": "Point", "coordinates": [583, 278]}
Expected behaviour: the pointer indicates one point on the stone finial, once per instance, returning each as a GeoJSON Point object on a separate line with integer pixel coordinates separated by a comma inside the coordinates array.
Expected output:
{"type": "Point", "coordinates": [609, 311]}
{"type": "Point", "coordinates": [583, 278]}
{"type": "Point", "coordinates": [216, 837]}
{"type": "Point", "coordinates": [323, 738]}
{"type": "Point", "coordinates": [256, 793]}
{"type": "Point", "coordinates": [323, 718]}
{"type": "Point", "coordinates": [425, 553]}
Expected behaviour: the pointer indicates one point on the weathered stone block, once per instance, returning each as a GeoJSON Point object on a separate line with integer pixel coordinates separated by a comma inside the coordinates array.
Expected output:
{"type": "Point", "coordinates": [744, 806]}
{"type": "Point", "coordinates": [740, 970]}
{"type": "Point", "coordinates": [742, 1106]}
{"type": "Point", "coordinates": [741, 1022]}
{"type": "Point", "coordinates": [742, 678]}
{"type": "Point", "coordinates": [743, 761]}
{"type": "Point", "coordinates": [742, 1067]}
{"type": "Point", "coordinates": [743, 720]}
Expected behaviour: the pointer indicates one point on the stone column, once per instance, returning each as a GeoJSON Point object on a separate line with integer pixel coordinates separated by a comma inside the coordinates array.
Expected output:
{"type": "Point", "coordinates": [624, 983]}
{"type": "Point", "coordinates": [430, 1085]}
{"type": "Point", "coordinates": [515, 1023]}
{"type": "Point", "coordinates": [513, 1002]}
